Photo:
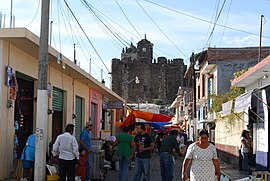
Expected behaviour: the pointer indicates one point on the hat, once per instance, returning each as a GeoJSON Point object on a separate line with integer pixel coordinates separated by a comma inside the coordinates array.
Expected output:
{"type": "Point", "coordinates": [88, 124]}
{"type": "Point", "coordinates": [111, 138]}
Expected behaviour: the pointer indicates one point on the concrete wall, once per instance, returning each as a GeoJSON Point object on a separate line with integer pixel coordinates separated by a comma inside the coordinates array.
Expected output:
{"type": "Point", "coordinates": [71, 88]}
{"type": "Point", "coordinates": [225, 70]}
{"type": "Point", "coordinates": [227, 139]}
{"type": "Point", "coordinates": [26, 64]}
{"type": "Point", "coordinates": [6, 116]}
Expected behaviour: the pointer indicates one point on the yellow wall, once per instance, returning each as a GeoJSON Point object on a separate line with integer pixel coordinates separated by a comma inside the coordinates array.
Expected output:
{"type": "Point", "coordinates": [26, 64]}
{"type": "Point", "coordinates": [227, 133]}
{"type": "Point", "coordinates": [65, 83]}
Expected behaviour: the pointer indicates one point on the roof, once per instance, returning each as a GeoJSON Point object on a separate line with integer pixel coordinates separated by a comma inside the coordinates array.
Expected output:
{"type": "Point", "coordinates": [212, 55]}
{"type": "Point", "coordinates": [29, 43]}
{"type": "Point", "coordinates": [221, 54]}
{"type": "Point", "coordinates": [253, 74]}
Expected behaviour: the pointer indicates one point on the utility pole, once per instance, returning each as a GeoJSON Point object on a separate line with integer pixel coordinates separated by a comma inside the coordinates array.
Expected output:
{"type": "Point", "coordinates": [75, 61]}
{"type": "Point", "coordinates": [192, 61]}
{"type": "Point", "coordinates": [260, 46]}
{"type": "Point", "coordinates": [11, 7]}
{"type": "Point", "coordinates": [42, 96]}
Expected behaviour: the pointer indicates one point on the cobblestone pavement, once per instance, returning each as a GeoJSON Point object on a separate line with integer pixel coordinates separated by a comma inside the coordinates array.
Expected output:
{"type": "Point", "coordinates": [155, 170]}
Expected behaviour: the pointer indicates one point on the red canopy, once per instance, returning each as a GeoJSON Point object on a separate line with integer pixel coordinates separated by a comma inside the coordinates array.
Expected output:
{"type": "Point", "coordinates": [130, 120]}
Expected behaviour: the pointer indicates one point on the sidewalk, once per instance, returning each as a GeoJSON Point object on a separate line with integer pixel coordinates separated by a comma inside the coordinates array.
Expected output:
{"type": "Point", "coordinates": [231, 172]}
{"type": "Point", "coordinates": [227, 170]}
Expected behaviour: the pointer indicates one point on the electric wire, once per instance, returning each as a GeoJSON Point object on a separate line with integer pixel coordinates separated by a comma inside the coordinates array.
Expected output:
{"type": "Point", "coordinates": [217, 18]}
{"type": "Point", "coordinates": [75, 37]}
{"type": "Point", "coordinates": [69, 31]}
{"type": "Point", "coordinates": [126, 30]}
{"type": "Point", "coordinates": [160, 29]}
{"type": "Point", "coordinates": [127, 18]}
{"type": "Point", "coordinates": [203, 20]}
{"type": "Point", "coordinates": [59, 34]}
{"type": "Point", "coordinates": [115, 34]}
{"type": "Point", "coordinates": [95, 18]}
{"type": "Point", "coordinates": [106, 10]}
{"type": "Point", "coordinates": [225, 22]}
{"type": "Point", "coordinates": [34, 15]}
{"type": "Point", "coordinates": [114, 20]}
{"type": "Point", "coordinates": [215, 12]}
{"type": "Point", "coordinates": [86, 36]}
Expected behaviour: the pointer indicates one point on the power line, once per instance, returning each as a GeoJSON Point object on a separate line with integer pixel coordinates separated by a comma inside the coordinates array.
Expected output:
{"type": "Point", "coordinates": [225, 22]}
{"type": "Point", "coordinates": [115, 22]}
{"type": "Point", "coordinates": [200, 19]}
{"type": "Point", "coordinates": [115, 34]}
{"type": "Point", "coordinates": [86, 36]}
{"type": "Point", "coordinates": [34, 15]}
{"type": "Point", "coordinates": [160, 29]}
{"type": "Point", "coordinates": [72, 36]}
{"type": "Point", "coordinates": [127, 18]}
{"type": "Point", "coordinates": [211, 34]}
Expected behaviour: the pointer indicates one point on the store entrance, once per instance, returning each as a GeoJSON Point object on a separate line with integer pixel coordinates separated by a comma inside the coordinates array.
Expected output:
{"type": "Point", "coordinates": [23, 118]}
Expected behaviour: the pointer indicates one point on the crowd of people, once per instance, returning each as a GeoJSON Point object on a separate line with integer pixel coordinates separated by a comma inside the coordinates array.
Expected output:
{"type": "Point", "coordinates": [200, 156]}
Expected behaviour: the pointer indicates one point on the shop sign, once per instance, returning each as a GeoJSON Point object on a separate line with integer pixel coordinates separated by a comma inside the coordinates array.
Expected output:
{"type": "Point", "coordinates": [115, 105]}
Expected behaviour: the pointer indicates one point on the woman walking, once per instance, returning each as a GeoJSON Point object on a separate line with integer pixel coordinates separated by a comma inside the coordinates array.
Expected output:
{"type": "Point", "coordinates": [205, 164]}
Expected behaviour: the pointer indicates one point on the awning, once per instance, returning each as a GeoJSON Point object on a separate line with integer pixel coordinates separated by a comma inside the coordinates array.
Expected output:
{"type": "Point", "coordinates": [155, 125]}
{"type": "Point", "coordinates": [226, 108]}
{"type": "Point", "coordinates": [243, 102]}
{"type": "Point", "coordinates": [248, 100]}
{"type": "Point", "coordinates": [150, 117]}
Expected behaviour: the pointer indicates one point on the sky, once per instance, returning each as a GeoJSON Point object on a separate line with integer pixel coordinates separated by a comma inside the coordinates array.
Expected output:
{"type": "Point", "coordinates": [101, 28]}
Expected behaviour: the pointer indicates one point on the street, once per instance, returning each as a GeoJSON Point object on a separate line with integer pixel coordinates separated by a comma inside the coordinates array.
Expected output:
{"type": "Point", "coordinates": [155, 170]}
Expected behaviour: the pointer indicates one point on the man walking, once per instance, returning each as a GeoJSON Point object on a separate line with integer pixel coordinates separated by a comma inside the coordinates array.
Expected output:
{"type": "Point", "coordinates": [166, 158]}
{"type": "Point", "coordinates": [66, 147]}
{"type": "Point", "coordinates": [144, 147]}
{"type": "Point", "coordinates": [85, 144]}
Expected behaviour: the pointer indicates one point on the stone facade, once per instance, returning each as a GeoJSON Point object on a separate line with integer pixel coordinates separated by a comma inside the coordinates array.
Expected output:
{"type": "Point", "coordinates": [159, 79]}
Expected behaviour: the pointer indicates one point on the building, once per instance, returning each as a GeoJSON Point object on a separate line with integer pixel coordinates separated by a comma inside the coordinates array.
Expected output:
{"type": "Point", "coordinates": [73, 95]}
{"type": "Point", "coordinates": [158, 79]}
{"type": "Point", "coordinates": [216, 67]}
{"type": "Point", "coordinates": [254, 104]}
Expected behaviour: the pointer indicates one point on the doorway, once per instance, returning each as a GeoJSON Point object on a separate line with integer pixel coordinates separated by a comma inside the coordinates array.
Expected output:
{"type": "Point", "coordinates": [57, 117]}
{"type": "Point", "coordinates": [23, 114]}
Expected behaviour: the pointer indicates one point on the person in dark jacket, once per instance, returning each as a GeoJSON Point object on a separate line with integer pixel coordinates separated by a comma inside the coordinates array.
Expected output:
{"type": "Point", "coordinates": [166, 158]}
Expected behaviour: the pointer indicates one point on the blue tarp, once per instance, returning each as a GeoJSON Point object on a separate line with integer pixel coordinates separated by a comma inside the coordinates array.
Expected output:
{"type": "Point", "coordinates": [155, 125]}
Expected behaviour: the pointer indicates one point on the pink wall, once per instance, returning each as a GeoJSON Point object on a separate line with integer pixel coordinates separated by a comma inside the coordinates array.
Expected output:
{"type": "Point", "coordinates": [95, 97]}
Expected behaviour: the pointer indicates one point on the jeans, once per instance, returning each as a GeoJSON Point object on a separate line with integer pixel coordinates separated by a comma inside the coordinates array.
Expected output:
{"type": "Point", "coordinates": [245, 162]}
{"type": "Point", "coordinates": [166, 166]}
{"type": "Point", "coordinates": [67, 168]}
{"type": "Point", "coordinates": [142, 165]}
{"type": "Point", "coordinates": [88, 167]}
{"type": "Point", "coordinates": [123, 168]}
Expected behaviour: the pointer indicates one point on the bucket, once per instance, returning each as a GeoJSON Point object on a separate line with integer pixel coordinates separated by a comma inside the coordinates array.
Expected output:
{"type": "Point", "coordinates": [52, 177]}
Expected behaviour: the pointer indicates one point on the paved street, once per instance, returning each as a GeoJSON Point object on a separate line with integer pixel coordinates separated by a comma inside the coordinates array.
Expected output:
{"type": "Point", "coordinates": [155, 170]}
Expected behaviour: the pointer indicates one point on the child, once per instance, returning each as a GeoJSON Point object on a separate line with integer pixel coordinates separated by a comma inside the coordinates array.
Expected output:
{"type": "Point", "coordinates": [80, 169]}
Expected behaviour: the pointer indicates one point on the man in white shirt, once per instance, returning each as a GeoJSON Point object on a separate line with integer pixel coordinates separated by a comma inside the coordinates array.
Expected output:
{"type": "Point", "coordinates": [66, 147]}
